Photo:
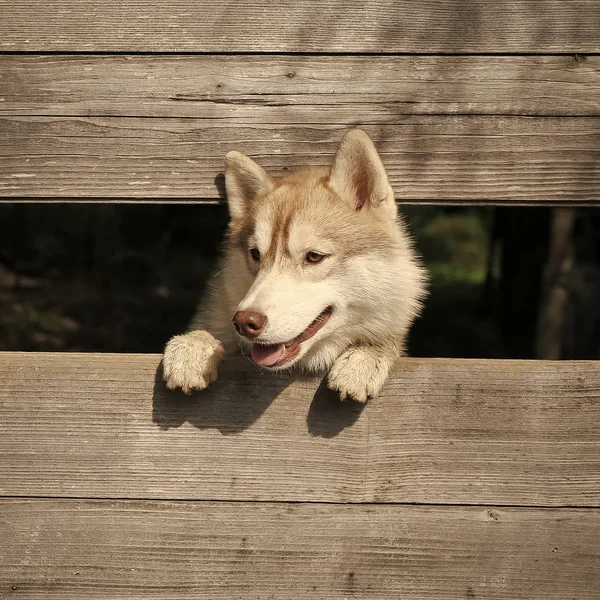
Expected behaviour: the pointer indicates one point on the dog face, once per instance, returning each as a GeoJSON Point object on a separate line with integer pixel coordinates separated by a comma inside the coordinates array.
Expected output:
{"type": "Point", "coordinates": [325, 257]}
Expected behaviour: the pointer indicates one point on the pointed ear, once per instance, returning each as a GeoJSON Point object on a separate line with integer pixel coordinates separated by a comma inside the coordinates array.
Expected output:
{"type": "Point", "coordinates": [358, 175]}
{"type": "Point", "coordinates": [244, 181]}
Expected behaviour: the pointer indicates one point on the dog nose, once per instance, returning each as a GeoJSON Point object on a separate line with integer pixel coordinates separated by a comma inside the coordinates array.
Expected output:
{"type": "Point", "coordinates": [249, 323]}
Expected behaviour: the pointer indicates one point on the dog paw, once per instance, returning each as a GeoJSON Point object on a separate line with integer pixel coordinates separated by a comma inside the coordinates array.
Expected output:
{"type": "Point", "coordinates": [190, 361]}
{"type": "Point", "coordinates": [359, 373]}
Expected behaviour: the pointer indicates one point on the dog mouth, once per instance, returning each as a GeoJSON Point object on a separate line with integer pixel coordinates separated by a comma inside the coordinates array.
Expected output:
{"type": "Point", "coordinates": [275, 355]}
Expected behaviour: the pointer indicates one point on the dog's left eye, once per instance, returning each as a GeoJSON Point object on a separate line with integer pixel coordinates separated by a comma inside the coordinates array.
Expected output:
{"type": "Point", "coordinates": [314, 257]}
{"type": "Point", "coordinates": [255, 254]}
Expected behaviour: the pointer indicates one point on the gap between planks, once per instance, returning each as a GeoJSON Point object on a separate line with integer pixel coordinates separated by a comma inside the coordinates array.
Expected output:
{"type": "Point", "coordinates": [307, 502]}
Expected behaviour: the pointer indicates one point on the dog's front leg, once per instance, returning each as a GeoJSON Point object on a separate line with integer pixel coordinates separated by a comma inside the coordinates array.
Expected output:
{"type": "Point", "coordinates": [361, 371]}
{"type": "Point", "coordinates": [191, 360]}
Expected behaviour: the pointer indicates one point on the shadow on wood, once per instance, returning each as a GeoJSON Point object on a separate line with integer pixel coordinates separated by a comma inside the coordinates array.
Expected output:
{"type": "Point", "coordinates": [328, 415]}
{"type": "Point", "coordinates": [230, 408]}
{"type": "Point", "coordinates": [220, 184]}
{"type": "Point", "coordinates": [231, 405]}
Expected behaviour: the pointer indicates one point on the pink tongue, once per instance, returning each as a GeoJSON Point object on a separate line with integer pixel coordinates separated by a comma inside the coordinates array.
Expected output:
{"type": "Point", "coordinates": [267, 355]}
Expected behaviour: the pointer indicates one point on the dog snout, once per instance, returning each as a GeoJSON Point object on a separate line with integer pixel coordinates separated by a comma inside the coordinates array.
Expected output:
{"type": "Point", "coordinates": [249, 323]}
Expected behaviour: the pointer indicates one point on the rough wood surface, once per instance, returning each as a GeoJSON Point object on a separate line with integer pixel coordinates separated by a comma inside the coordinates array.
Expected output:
{"type": "Point", "coordinates": [293, 89]}
{"type": "Point", "coordinates": [114, 550]}
{"type": "Point", "coordinates": [429, 26]}
{"type": "Point", "coordinates": [428, 158]}
{"type": "Point", "coordinates": [443, 431]}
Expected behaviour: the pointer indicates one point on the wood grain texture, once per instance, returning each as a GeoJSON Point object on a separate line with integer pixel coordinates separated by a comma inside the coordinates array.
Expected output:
{"type": "Point", "coordinates": [114, 550]}
{"type": "Point", "coordinates": [295, 89]}
{"type": "Point", "coordinates": [428, 158]}
{"type": "Point", "coordinates": [443, 431]}
{"type": "Point", "coordinates": [429, 26]}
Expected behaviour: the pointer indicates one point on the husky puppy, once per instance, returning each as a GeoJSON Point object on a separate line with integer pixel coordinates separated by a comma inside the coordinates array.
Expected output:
{"type": "Point", "coordinates": [318, 272]}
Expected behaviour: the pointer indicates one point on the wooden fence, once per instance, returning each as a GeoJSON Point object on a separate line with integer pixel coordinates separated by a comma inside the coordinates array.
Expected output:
{"type": "Point", "coordinates": [466, 478]}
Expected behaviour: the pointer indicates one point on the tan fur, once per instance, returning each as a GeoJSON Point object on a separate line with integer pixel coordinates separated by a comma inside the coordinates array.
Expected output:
{"type": "Point", "coordinates": [370, 276]}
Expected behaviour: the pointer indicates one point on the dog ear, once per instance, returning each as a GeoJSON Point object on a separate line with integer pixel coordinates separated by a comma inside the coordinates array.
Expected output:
{"type": "Point", "coordinates": [244, 181]}
{"type": "Point", "coordinates": [358, 175]}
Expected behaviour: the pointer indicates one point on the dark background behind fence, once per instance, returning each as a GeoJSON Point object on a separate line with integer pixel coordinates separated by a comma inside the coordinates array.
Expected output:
{"type": "Point", "coordinates": [122, 278]}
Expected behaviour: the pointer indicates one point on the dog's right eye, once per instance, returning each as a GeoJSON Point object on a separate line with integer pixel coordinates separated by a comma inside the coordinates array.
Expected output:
{"type": "Point", "coordinates": [313, 257]}
{"type": "Point", "coordinates": [255, 254]}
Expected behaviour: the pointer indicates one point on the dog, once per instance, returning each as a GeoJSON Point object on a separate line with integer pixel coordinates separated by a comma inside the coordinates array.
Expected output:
{"type": "Point", "coordinates": [318, 273]}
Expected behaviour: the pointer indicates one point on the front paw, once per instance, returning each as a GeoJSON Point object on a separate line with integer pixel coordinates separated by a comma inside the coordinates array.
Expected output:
{"type": "Point", "coordinates": [190, 361]}
{"type": "Point", "coordinates": [360, 372]}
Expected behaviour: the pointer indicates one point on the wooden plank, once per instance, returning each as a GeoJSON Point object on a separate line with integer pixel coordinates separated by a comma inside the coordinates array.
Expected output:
{"type": "Point", "coordinates": [429, 26]}
{"type": "Point", "coordinates": [428, 158]}
{"type": "Point", "coordinates": [443, 431]}
{"type": "Point", "coordinates": [292, 89]}
{"type": "Point", "coordinates": [105, 550]}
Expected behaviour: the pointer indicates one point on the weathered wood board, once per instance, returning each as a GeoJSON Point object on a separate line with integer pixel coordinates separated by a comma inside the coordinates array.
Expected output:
{"type": "Point", "coordinates": [427, 26]}
{"type": "Point", "coordinates": [428, 158]}
{"type": "Point", "coordinates": [167, 550]}
{"type": "Point", "coordinates": [443, 431]}
{"type": "Point", "coordinates": [298, 89]}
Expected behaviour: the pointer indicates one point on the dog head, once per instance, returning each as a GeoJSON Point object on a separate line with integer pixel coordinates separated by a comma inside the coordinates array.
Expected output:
{"type": "Point", "coordinates": [328, 260]}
